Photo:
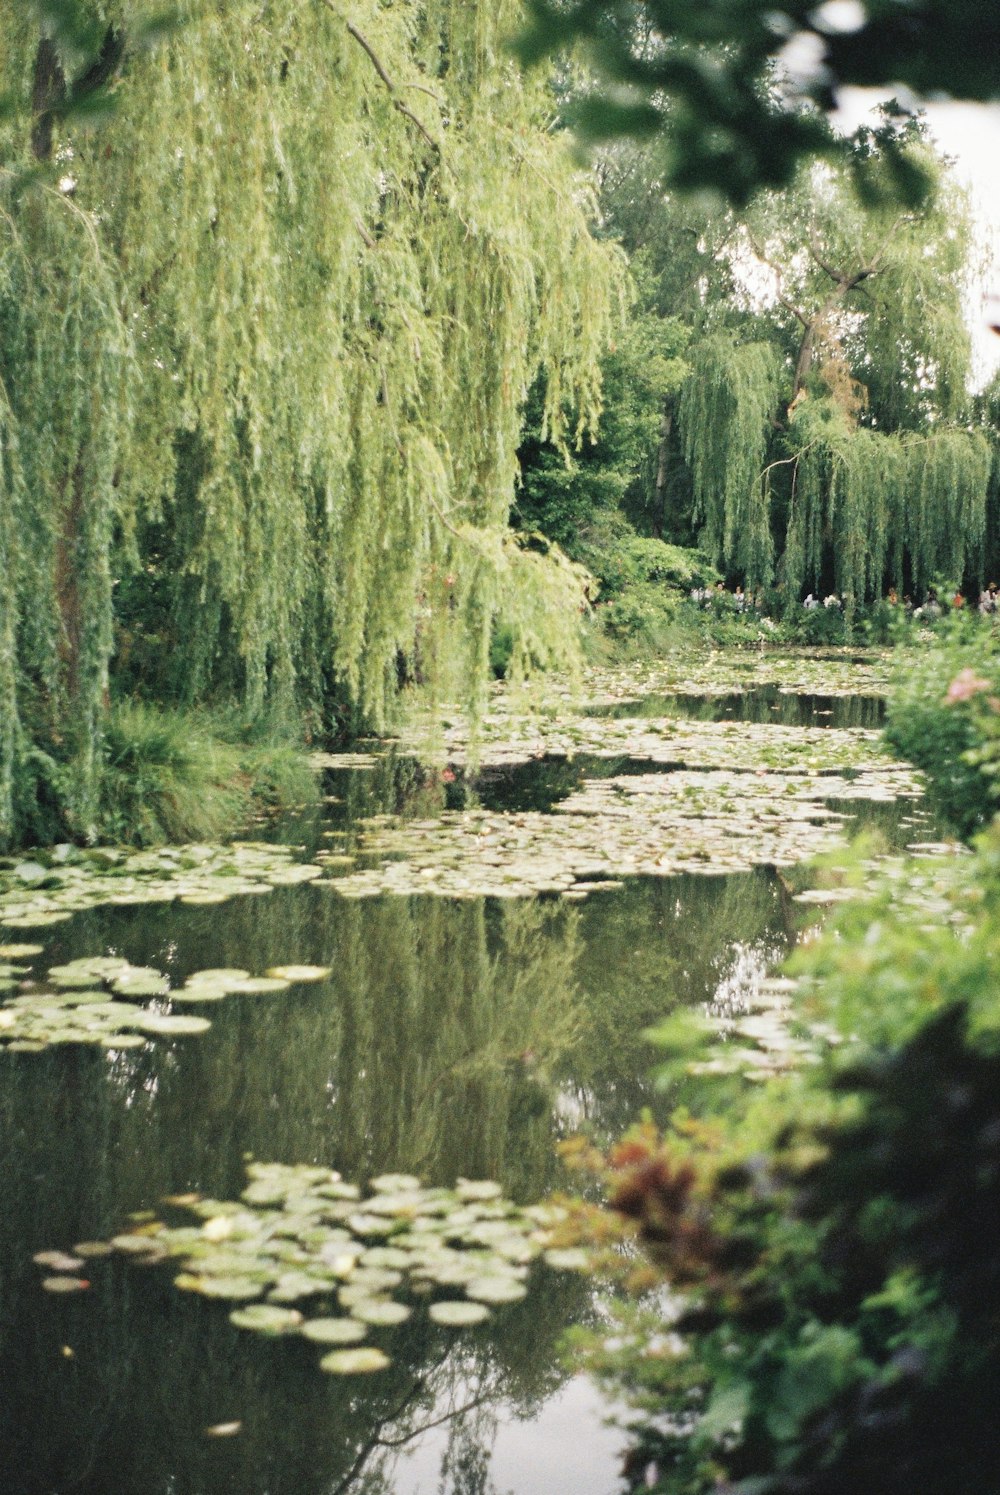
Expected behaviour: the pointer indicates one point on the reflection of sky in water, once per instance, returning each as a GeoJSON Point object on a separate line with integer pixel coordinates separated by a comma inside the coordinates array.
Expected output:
{"type": "Point", "coordinates": [739, 988]}
{"type": "Point", "coordinates": [562, 1448]}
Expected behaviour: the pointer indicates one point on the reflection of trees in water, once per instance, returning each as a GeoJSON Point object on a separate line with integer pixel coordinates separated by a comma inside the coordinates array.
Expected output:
{"type": "Point", "coordinates": [433, 1047]}
{"type": "Point", "coordinates": [662, 944]}
{"type": "Point", "coordinates": [152, 1369]}
{"type": "Point", "coordinates": [428, 1049]}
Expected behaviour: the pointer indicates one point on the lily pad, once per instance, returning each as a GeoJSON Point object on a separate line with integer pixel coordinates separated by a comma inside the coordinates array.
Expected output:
{"type": "Point", "coordinates": [361, 1362]}
{"type": "Point", "coordinates": [496, 1290]}
{"type": "Point", "coordinates": [264, 1318]}
{"type": "Point", "coordinates": [299, 974]}
{"type": "Point", "coordinates": [383, 1312]}
{"type": "Point", "coordinates": [169, 1025]}
{"type": "Point", "coordinates": [455, 1314]}
{"type": "Point", "coordinates": [335, 1330]}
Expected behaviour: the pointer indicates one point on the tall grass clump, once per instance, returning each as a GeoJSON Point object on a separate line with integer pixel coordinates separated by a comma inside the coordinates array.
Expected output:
{"type": "Point", "coordinates": [170, 775]}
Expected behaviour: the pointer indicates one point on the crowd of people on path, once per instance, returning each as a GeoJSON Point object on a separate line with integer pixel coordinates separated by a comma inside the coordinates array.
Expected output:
{"type": "Point", "coordinates": [930, 608]}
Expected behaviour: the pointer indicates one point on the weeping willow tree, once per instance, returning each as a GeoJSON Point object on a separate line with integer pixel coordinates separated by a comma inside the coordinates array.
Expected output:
{"type": "Point", "coordinates": [265, 339]}
{"type": "Point", "coordinates": [837, 439]}
{"type": "Point", "coordinates": [725, 413]}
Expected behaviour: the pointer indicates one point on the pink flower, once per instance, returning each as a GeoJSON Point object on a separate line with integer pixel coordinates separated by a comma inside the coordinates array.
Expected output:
{"type": "Point", "coordinates": [965, 685]}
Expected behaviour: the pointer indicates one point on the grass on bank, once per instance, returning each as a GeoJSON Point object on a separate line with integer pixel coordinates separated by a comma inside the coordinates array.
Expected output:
{"type": "Point", "coordinates": [173, 775]}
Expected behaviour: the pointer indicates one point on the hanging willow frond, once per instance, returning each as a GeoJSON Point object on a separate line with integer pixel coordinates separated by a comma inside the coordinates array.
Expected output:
{"type": "Point", "coordinates": [278, 340]}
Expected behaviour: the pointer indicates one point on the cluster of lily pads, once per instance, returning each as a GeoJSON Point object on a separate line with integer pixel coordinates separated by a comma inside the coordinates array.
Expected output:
{"type": "Point", "coordinates": [521, 724]}
{"type": "Point", "coordinates": [99, 1000]}
{"type": "Point", "coordinates": [302, 1252]}
{"type": "Point", "coordinates": [656, 824]}
{"type": "Point", "coordinates": [53, 885]}
{"type": "Point", "coordinates": [668, 742]}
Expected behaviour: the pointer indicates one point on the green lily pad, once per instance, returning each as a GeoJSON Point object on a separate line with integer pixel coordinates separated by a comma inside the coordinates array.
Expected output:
{"type": "Point", "coordinates": [568, 1258]}
{"type": "Point", "coordinates": [65, 1284]}
{"type": "Point", "coordinates": [20, 952]}
{"type": "Point", "coordinates": [299, 974]}
{"type": "Point", "coordinates": [260, 986]}
{"type": "Point", "coordinates": [220, 976]}
{"type": "Point", "coordinates": [234, 1289]}
{"type": "Point", "coordinates": [383, 1312]}
{"type": "Point", "coordinates": [334, 1330]}
{"type": "Point", "coordinates": [469, 1190]}
{"type": "Point", "coordinates": [57, 1261]}
{"type": "Point", "coordinates": [457, 1315]}
{"type": "Point", "coordinates": [395, 1183]}
{"type": "Point", "coordinates": [264, 1318]}
{"type": "Point", "coordinates": [495, 1290]}
{"type": "Point", "coordinates": [354, 1362]}
{"type": "Point", "coordinates": [169, 1025]}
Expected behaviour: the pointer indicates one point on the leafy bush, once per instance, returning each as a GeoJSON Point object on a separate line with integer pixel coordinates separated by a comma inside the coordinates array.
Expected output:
{"type": "Point", "coordinates": [838, 1245]}
{"type": "Point", "coordinates": [944, 715]}
{"type": "Point", "coordinates": [168, 776]}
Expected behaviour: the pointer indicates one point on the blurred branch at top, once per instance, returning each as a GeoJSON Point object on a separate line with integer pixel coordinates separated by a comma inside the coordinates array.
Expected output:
{"type": "Point", "coordinates": [741, 89]}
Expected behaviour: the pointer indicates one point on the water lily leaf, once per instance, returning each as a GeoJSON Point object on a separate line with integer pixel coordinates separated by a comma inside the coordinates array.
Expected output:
{"type": "Point", "coordinates": [134, 1244]}
{"type": "Point", "coordinates": [169, 1025]}
{"type": "Point", "coordinates": [354, 1362]}
{"type": "Point", "coordinates": [335, 1330]}
{"type": "Point", "coordinates": [568, 1258]}
{"type": "Point", "coordinates": [65, 1284]}
{"type": "Point", "coordinates": [59, 1261]}
{"type": "Point", "coordinates": [383, 1312]}
{"type": "Point", "coordinates": [293, 1286]}
{"type": "Point", "coordinates": [376, 1279]}
{"type": "Point", "coordinates": [123, 1041]}
{"type": "Point", "coordinates": [140, 987]}
{"type": "Point", "coordinates": [458, 1315]}
{"type": "Point", "coordinates": [260, 986]}
{"type": "Point", "coordinates": [495, 1290]}
{"type": "Point", "coordinates": [89, 1249]}
{"type": "Point", "coordinates": [393, 1257]}
{"type": "Point", "coordinates": [299, 974]}
{"type": "Point", "coordinates": [371, 1225]}
{"type": "Point", "coordinates": [21, 952]}
{"type": "Point", "coordinates": [220, 976]}
{"type": "Point", "coordinates": [236, 1289]}
{"type": "Point", "coordinates": [264, 1318]}
{"type": "Point", "coordinates": [395, 1183]}
{"type": "Point", "coordinates": [469, 1190]}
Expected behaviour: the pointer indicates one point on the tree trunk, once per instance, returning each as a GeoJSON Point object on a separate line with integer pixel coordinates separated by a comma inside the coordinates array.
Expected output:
{"type": "Point", "coordinates": [660, 487]}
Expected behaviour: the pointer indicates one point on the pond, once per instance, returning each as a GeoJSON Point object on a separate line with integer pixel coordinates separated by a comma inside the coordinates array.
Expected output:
{"type": "Point", "coordinates": [454, 1037]}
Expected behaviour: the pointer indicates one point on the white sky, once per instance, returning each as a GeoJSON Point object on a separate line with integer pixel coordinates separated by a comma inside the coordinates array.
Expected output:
{"type": "Point", "coordinates": [970, 133]}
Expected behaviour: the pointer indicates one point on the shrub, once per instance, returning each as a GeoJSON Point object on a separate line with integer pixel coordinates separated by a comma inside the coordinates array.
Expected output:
{"type": "Point", "coordinates": [944, 715]}
{"type": "Point", "coordinates": [169, 776]}
{"type": "Point", "coordinates": [838, 1246]}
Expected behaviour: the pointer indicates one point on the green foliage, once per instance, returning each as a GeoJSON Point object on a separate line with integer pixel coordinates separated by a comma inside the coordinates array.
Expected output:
{"type": "Point", "coordinates": [702, 74]}
{"type": "Point", "coordinates": [168, 776]}
{"type": "Point", "coordinates": [263, 352]}
{"type": "Point", "coordinates": [725, 413]}
{"type": "Point", "coordinates": [944, 715]}
{"type": "Point", "coordinates": [564, 492]}
{"type": "Point", "coordinates": [837, 1242]}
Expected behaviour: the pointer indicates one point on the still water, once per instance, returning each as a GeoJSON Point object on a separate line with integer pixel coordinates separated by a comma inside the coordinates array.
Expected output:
{"type": "Point", "coordinates": [451, 1039]}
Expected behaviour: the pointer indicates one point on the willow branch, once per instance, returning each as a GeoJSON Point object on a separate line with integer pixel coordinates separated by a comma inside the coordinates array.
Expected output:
{"type": "Point", "coordinates": [778, 274]}
{"type": "Point", "coordinates": [380, 68]}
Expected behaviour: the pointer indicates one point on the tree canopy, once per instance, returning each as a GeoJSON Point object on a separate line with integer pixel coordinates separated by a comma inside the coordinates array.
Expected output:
{"type": "Point", "coordinates": [265, 339]}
